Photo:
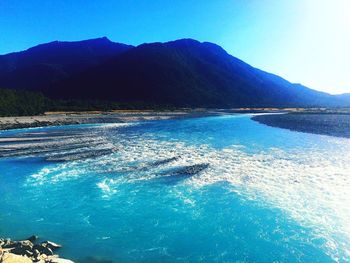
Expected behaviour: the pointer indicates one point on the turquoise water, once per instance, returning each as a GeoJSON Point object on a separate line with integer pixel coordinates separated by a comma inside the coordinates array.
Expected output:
{"type": "Point", "coordinates": [262, 194]}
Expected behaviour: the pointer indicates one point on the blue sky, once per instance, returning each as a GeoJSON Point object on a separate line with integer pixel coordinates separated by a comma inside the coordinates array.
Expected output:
{"type": "Point", "coordinates": [304, 41]}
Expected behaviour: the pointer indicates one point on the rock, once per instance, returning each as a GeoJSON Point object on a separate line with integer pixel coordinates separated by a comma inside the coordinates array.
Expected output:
{"type": "Point", "coordinates": [25, 244]}
{"type": "Point", "coordinates": [165, 161]}
{"type": "Point", "coordinates": [191, 170]}
{"type": "Point", "coordinates": [36, 253]}
{"type": "Point", "coordinates": [12, 258]}
{"type": "Point", "coordinates": [45, 248]}
{"type": "Point", "coordinates": [60, 260]}
{"type": "Point", "coordinates": [18, 251]}
{"type": "Point", "coordinates": [7, 243]}
{"type": "Point", "coordinates": [22, 248]}
{"type": "Point", "coordinates": [29, 253]}
{"type": "Point", "coordinates": [42, 249]}
{"type": "Point", "coordinates": [43, 257]}
{"type": "Point", "coordinates": [51, 245]}
{"type": "Point", "coordinates": [26, 252]}
{"type": "Point", "coordinates": [32, 238]}
{"type": "Point", "coordinates": [38, 259]}
{"type": "Point", "coordinates": [37, 247]}
{"type": "Point", "coordinates": [47, 251]}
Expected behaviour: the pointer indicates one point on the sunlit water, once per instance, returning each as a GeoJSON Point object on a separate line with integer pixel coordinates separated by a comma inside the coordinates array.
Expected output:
{"type": "Point", "coordinates": [267, 194]}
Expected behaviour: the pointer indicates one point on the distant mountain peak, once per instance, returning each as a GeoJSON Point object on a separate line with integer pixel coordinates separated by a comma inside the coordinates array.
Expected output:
{"type": "Point", "coordinates": [38, 67]}
{"type": "Point", "coordinates": [58, 43]}
{"type": "Point", "coordinates": [184, 41]}
{"type": "Point", "coordinates": [99, 39]}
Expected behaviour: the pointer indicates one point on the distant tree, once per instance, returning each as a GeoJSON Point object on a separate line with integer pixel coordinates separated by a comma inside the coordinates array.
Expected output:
{"type": "Point", "coordinates": [27, 103]}
{"type": "Point", "coordinates": [19, 103]}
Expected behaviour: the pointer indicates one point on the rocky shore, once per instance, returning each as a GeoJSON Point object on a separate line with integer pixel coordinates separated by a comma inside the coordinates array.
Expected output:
{"type": "Point", "coordinates": [120, 116]}
{"type": "Point", "coordinates": [66, 118]}
{"type": "Point", "coordinates": [331, 124]}
{"type": "Point", "coordinates": [29, 251]}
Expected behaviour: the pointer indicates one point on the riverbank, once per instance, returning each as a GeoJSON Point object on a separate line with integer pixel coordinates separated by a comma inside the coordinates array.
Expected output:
{"type": "Point", "coordinates": [120, 116]}
{"type": "Point", "coordinates": [30, 251]}
{"type": "Point", "coordinates": [332, 124]}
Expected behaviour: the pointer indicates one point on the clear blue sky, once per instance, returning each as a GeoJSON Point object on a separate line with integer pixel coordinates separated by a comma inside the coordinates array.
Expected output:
{"type": "Point", "coordinates": [304, 41]}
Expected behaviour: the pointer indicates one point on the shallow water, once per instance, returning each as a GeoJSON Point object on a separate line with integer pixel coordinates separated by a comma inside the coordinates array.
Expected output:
{"type": "Point", "coordinates": [208, 189]}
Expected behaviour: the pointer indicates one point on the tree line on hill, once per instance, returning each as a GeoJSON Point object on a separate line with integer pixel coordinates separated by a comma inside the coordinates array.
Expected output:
{"type": "Point", "coordinates": [20, 102]}
{"type": "Point", "coordinates": [28, 103]}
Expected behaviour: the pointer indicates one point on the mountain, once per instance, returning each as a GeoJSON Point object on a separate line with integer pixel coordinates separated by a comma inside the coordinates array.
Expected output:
{"type": "Point", "coordinates": [187, 73]}
{"type": "Point", "coordinates": [181, 73]}
{"type": "Point", "coordinates": [344, 96]}
{"type": "Point", "coordinates": [41, 66]}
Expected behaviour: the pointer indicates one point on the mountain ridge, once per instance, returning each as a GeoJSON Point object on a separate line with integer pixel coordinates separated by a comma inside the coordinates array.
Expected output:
{"type": "Point", "coordinates": [180, 73]}
{"type": "Point", "coordinates": [54, 61]}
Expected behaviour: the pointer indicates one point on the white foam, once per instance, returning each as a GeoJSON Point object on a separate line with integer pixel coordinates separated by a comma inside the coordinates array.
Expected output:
{"type": "Point", "coordinates": [311, 185]}
{"type": "Point", "coordinates": [106, 188]}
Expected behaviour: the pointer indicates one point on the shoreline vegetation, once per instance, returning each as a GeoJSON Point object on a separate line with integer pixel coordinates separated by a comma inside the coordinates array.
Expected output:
{"type": "Point", "coordinates": [30, 250]}
{"type": "Point", "coordinates": [14, 103]}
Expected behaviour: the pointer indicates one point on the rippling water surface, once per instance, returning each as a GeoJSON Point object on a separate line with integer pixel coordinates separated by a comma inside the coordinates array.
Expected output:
{"type": "Point", "coordinates": [208, 189]}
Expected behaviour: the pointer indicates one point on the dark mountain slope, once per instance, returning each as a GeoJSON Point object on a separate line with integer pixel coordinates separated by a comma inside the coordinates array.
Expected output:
{"type": "Point", "coordinates": [39, 67]}
{"type": "Point", "coordinates": [187, 73]}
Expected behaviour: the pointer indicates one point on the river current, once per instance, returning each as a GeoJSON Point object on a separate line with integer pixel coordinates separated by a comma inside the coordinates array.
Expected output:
{"type": "Point", "coordinates": [211, 189]}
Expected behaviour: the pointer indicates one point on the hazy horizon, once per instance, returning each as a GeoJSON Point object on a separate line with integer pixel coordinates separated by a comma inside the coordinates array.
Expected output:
{"type": "Point", "coordinates": [302, 41]}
